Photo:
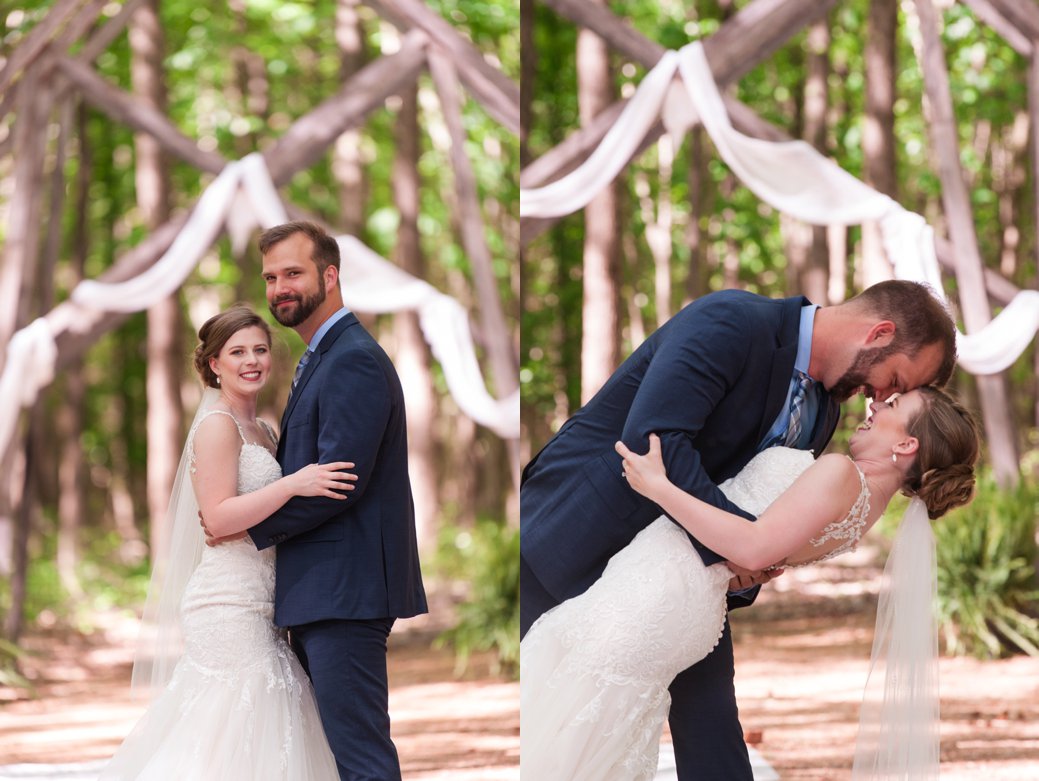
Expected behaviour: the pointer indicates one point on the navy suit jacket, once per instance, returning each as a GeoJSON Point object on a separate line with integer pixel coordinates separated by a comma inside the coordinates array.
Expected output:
{"type": "Point", "coordinates": [353, 559]}
{"type": "Point", "coordinates": [711, 382]}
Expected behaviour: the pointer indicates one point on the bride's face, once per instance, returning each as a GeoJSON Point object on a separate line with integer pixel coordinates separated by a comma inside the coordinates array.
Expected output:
{"type": "Point", "coordinates": [888, 426]}
{"type": "Point", "coordinates": [244, 362]}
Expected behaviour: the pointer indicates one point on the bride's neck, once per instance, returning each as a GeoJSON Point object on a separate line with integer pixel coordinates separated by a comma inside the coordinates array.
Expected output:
{"type": "Point", "coordinates": [242, 407]}
{"type": "Point", "coordinates": [882, 480]}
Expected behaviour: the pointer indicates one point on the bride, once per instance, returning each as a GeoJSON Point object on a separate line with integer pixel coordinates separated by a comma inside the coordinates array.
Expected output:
{"type": "Point", "coordinates": [235, 702]}
{"type": "Point", "coordinates": [595, 670]}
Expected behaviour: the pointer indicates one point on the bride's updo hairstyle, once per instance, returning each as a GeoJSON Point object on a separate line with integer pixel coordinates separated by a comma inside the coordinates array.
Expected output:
{"type": "Point", "coordinates": [215, 332]}
{"type": "Point", "coordinates": [942, 474]}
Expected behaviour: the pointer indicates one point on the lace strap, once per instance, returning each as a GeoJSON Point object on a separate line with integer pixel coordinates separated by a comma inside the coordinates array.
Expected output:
{"type": "Point", "coordinates": [191, 434]}
{"type": "Point", "coordinates": [269, 429]}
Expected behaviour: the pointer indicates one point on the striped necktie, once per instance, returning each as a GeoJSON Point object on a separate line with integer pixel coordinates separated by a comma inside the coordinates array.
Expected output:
{"type": "Point", "coordinates": [303, 361]}
{"type": "Point", "coordinates": [797, 404]}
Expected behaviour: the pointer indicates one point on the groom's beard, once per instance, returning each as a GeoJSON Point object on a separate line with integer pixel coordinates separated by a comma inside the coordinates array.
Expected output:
{"type": "Point", "coordinates": [856, 375]}
{"type": "Point", "coordinates": [304, 307]}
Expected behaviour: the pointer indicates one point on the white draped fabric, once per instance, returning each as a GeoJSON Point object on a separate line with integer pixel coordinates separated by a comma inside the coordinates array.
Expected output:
{"type": "Point", "coordinates": [242, 198]}
{"type": "Point", "coordinates": [792, 177]}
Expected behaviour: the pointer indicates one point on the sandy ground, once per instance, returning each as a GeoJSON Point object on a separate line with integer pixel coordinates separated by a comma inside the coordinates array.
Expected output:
{"type": "Point", "coordinates": [801, 653]}
{"type": "Point", "coordinates": [445, 727]}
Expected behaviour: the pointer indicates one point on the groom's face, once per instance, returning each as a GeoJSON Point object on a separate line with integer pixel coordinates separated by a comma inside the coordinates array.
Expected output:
{"type": "Point", "coordinates": [880, 372]}
{"type": "Point", "coordinates": [294, 288]}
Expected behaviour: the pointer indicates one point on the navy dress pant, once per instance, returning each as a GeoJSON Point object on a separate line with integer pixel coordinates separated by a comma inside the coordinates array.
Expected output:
{"type": "Point", "coordinates": [346, 661]}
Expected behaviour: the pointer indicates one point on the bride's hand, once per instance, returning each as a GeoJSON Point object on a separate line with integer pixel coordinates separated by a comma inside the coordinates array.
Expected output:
{"type": "Point", "coordinates": [324, 480]}
{"type": "Point", "coordinates": [743, 579]}
{"type": "Point", "coordinates": [645, 474]}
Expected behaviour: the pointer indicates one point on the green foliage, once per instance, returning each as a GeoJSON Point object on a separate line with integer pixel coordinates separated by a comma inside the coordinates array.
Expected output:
{"type": "Point", "coordinates": [487, 559]}
{"type": "Point", "coordinates": [987, 589]}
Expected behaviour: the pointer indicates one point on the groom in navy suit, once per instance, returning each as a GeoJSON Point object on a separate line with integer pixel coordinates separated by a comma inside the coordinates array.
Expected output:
{"type": "Point", "coordinates": [723, 379]}
{"type": "Point", "coordinates": [345, 570]}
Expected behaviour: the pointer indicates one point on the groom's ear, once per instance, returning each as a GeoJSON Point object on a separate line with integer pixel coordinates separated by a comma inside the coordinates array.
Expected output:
{"type": "Point", "coordinates": [331, 278]}
{"type": "Point", "coordinates": [881, 334]}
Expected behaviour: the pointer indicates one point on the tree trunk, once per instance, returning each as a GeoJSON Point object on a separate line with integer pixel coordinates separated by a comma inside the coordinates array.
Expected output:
{"type": "Point", "coordinates": [18, 278]}
{"type": "Point", "coordinates": [878, 132]}
{"type": "Point", "coordinates": [346, 160]}
{"type": "Point", "coordinates": [496, 334]}
{"type": "Point", "coordinates": [528, 71]}
{"type": "Point", "coordinates": [165, 321]}
{"type": "Point", "coordinates": [71, 465]}
{"type": "Point", "coordinates": [600, 320]}
{"type": "Point", "coordinates": [816, 99]}
{"type": "Point", "coordinates": [412, 354]}
{"type": "Point", "coordinates": [992, 391]}
{"type": "Point", "coordinates": [699, 211]}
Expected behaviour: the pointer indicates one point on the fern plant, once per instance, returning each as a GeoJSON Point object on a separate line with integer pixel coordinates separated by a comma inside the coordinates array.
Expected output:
{"type": "Point", "coordinates": [489, 618]}
{"type": "Point", "coordinates": [987, 588]}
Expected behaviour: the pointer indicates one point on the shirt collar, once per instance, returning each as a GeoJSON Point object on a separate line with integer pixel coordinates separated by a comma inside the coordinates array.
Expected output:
{"type": "Point", "coordinates": [804, 338]}
{"type": "Point", "coordinates": [335, 318]}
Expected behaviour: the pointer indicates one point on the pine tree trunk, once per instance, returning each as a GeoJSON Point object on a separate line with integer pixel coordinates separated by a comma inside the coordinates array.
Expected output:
{"type": "Point", "coordinates": [878, 132]}
{"type": "Point", "coordinates": [992, 389]}
{"type": "Point", "coordinates": [412, 354]}
{"type": "Point", "coordinates": [346, 157]}
{"type": "Point", "coordinates": [165, 321]}
{"type": "Point", "coordinates": [600, 319]}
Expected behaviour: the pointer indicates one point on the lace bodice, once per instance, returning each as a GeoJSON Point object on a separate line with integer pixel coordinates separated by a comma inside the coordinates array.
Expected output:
{"type": "Point", "coordinates": [256, 465]}
{"type": "Point", "coordinates": [771, 472]}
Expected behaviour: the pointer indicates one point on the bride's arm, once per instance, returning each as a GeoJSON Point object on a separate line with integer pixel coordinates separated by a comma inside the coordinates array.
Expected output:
{"type": "Point", "coordinates": [215, 480]}
{"type": "Point", "coordinates": [822, 494]}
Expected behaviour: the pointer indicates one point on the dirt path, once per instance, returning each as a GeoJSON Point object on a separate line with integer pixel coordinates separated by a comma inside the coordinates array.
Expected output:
{"type": "Point", "coordinates": [801, 657]}
{"type": "Point", "coordinates": [445, 728]}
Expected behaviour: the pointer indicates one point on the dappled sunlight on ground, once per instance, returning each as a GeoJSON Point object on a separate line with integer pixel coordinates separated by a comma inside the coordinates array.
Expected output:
{"type": "Point", "coordinates": [464, 729]}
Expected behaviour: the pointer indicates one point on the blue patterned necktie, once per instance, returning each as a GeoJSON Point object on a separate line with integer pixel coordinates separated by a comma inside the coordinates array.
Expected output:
{"type": "Point", "coordinates": [303, 361]}
{"type": "Point", "coordinates": [797, 405]}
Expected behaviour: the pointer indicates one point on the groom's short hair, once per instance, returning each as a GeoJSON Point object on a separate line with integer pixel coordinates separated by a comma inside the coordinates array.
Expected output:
{"type": "Point", "coordinates": [326, 249]}
{"type": "Point", "coordinates": [921, 319]}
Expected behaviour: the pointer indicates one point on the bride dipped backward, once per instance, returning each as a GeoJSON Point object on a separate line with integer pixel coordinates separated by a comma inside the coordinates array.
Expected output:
{"type": "Point", "coordinates": [923, 443]}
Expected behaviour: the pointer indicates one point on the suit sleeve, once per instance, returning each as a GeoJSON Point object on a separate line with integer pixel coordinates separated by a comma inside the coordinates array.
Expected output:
{"type": "Point", "coordinates": [354, 408]}
{"type": "Point", "coordinates": [691, 372]}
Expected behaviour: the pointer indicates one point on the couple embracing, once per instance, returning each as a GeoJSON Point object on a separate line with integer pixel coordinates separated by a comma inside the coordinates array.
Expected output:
{"type": "Point", "coordinates": [630, 562]}
{"type": "Point", "coordinates": [331, 495]}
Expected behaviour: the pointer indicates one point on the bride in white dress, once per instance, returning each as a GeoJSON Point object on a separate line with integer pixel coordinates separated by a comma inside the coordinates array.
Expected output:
{"type": "Point", "coordinates": [235, 702]}
{"type": "Point", "coordinates": [595, 670]}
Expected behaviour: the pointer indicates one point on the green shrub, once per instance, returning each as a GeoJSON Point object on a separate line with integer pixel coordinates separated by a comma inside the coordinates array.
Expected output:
{"type": "Point", "coordinates": [987, 588]}
{"type": "Point", "coordinates": [487, 558]}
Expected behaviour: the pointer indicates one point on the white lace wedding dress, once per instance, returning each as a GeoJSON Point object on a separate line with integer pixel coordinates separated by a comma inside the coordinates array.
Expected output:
{"type": "Point", "coordinates": [239, 706]}
{"type": "Point", "coordinates": [595, 671]}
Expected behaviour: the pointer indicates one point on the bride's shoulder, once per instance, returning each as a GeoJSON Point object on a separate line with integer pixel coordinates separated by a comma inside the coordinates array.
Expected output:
{"type": "Point", "coordinates": [837, 468]}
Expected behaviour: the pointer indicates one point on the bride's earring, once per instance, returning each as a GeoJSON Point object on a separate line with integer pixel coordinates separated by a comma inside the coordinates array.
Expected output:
{"type": "Point", "coordinates": [218, 382]}
{"type": "Point", "coordinates": [894, 456]}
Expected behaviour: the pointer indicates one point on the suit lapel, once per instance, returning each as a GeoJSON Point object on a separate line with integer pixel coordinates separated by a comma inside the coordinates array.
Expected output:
{"type": "Point", "coordinates": [782, 364]}
{"type": "Point", "coordinates": [311, 368]}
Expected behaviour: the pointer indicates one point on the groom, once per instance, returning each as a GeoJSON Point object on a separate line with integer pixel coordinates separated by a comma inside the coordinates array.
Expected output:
{"type": "Point", "coordinates": [345, 570]}
{"type": "Point", "coordinates": [729, 375]}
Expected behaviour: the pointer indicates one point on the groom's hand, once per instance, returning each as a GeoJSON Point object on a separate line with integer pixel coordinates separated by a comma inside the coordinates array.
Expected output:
{"type": "Point", "coordinates": [743, 579]}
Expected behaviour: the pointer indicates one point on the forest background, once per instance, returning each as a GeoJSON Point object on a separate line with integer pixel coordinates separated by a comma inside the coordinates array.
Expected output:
{"type": "Point", "coordinates": [677, 224]}
{"type": "Point", "coordinates": [85, 489]}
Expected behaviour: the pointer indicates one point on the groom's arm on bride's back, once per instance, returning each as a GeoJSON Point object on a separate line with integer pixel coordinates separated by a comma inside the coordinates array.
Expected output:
{"type": "Point", "coordinates": [355, 407]}
{"type": "Point", "coordinates": [690, 374]}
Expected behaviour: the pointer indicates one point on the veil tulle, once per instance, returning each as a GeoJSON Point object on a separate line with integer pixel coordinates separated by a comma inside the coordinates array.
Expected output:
{"type": "Point", "coordinates": [898, 725]}
{"type": "Point", "coordinates": [160, 645]}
